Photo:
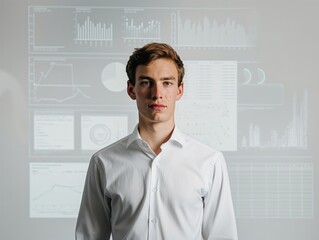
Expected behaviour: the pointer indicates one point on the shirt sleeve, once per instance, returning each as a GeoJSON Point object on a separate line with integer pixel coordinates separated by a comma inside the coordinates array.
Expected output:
{"type": "Point", "coordinates": [93, 221]}
{"type": "Point", "coordinates": [219, 222]}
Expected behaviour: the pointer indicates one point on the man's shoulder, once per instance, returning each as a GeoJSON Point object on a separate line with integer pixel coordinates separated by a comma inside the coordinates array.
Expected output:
{"type": "Point", "coordinates": [116, 147]}
{"type": "Point", "coordinates": [199, 145]}
{"type": "Point", "coordinates": [201, 150]}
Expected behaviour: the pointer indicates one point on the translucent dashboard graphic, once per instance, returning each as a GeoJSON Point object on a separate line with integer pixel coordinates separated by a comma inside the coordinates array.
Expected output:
{"type": "Point", "coordinates": [76, 133]}
{"type": "Point", "coordinates": [78, 102]}
{"type": "Point", "coordinates": [272, 187]}
{"type": "Point", "coordinates": [116, 30]}
{"type": "Point", "coordinates": [209, 106]}
{"type": "Point", "coordinates": [78, 80]}
{"type": "Point", "coordinates": [56, 189]}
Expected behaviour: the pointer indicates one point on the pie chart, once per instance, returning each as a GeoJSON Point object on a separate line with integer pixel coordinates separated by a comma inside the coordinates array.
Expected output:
{"type": "Point", "coordinates": [114, 77]}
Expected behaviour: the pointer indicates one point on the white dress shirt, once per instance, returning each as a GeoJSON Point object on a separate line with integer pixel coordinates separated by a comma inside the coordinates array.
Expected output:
{"type": "Point", "coordinates": [183, 193]}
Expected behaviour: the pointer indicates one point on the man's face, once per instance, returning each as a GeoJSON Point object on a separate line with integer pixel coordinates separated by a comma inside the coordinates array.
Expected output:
{"type": "Point", "coordinates": [156, 90]}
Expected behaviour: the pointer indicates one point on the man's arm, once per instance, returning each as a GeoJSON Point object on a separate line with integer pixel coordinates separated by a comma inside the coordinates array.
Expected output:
{"type": "Point", "coordinates": [93, 221]}
{"type": "Point", "coordinates": [219, 222]}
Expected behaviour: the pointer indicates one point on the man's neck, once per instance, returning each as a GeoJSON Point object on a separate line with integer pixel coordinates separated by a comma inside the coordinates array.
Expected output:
{"type": "Point", "coordinates": [155, 134]}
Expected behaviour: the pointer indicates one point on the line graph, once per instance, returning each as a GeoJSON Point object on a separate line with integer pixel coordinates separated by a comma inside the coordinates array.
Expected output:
{"type": "Point", "coordinates": [77, 81]}
{"type": "Point", "coordinates": [53, 82]}
{"type": "Point", "coordinates": [56, 189]}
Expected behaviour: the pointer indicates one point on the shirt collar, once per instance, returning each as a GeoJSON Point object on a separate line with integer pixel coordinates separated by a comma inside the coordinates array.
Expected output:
{"type": "Point", "coordinates": [135, 135]}
{"type": "Point", "coordinates": [177, 137]}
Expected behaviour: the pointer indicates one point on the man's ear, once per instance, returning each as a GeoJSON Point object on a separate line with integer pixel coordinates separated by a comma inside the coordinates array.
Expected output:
{"type": "Point", "coordinates": [180, 91]}
{"type": "Point", "coordinates": [130, 90]}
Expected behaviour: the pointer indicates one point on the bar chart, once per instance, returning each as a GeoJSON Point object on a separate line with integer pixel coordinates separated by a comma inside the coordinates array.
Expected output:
{"type": "Point", "coordinates": [135, 33]}
{"type": "Point", "coordinates": [91, 31]}
{"type": "Point", "coordinates": [294, 134]}
{"type": "Point", "coordinates": [202, 29]}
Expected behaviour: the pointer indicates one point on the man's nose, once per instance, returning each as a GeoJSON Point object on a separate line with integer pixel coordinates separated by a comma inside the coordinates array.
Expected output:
{"type": "Point", "coordinates": [156, 91]}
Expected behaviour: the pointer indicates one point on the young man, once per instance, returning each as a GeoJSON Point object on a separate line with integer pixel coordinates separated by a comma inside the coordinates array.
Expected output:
{"type": "Point", "coordinates": [156, 183]}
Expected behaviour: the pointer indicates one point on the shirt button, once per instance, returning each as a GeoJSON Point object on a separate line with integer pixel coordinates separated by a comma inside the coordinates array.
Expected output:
{"type": "Point", "coordinates": [153, 220]}
{"type": "Point", "coordinates": [154, 189]}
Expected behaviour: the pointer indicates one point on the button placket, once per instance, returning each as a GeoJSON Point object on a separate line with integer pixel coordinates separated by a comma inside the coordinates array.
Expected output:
{"type": "Point", "coordinates": [146, 149]}
{"type": "Point", "coordinates": [152, 205]}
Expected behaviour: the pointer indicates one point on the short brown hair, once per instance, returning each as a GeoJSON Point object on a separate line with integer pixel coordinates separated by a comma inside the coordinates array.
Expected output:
{"type": "Point", "coordinates": [151, 52]}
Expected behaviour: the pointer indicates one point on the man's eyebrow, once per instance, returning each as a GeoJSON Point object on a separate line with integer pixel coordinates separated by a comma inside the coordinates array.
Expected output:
{"type": "Point", "coordinates": [142, 77]}
{"type": "Point", "coordinates": [168, 78]}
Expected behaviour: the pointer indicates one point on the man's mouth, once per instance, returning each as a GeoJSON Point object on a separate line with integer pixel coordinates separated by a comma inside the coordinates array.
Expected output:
{"type": "Point", "coordinates": [157, 106]}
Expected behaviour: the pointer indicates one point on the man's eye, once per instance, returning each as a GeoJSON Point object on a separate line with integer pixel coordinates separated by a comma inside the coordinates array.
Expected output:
{"type": "Point", "coordinates": [144, 83]}
{"type": "Point", "coordinates": [168, 83]}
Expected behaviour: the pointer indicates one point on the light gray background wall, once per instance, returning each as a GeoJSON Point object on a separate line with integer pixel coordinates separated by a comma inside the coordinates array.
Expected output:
{"type": "Point", "coordinates": [51, 82]}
